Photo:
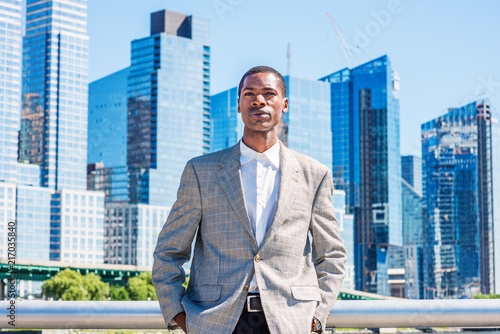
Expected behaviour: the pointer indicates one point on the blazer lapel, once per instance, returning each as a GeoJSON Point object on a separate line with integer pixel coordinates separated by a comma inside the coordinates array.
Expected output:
{"type": "Point", "coordinates": [230, 181]}
{"type": "Point", "coordinates": [289, 187]}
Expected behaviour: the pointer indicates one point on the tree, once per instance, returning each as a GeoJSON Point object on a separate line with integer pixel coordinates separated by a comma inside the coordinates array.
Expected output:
{"type": "Point", "coordinates": [141, 287]}
{"type": "Point", "coordinates": [97, 289]}
{"type": "Point", "coordinates": [71, 285]}
{"type": "Point", "coordinates": [118, 293]}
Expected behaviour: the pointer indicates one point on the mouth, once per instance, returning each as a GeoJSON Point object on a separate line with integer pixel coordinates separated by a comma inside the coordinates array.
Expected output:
{"type": "Point", "coordinates": [259, 114]}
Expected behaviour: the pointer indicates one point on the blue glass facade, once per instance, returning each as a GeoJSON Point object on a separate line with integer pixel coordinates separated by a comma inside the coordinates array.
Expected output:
{"type": "Point", "coordinates": [459, 171]}
{"type": "Point", "coordinates": [411, 171]}
{"type": "Point", "coordinates": [367, 162]}
{"type": "Point", "coordinates": [227, 127]}
{"type": "Point", "coordinates": [306, 126]}
{"type": "Point", "coordinates": [10, 86]}
{"type": "Point", "coordinates": [33, 223]}
{"type": "Point", "coordinates": [168, 105]}
{"type": "Point", "coordinates": [413, 240]}
{"type": "Point", "coordinates": [342, 132]}
{"type": "Point", "coordinates": [54, 92]}
{"type": "Point", "coordinates": [52, 141]}
{"type": "Point", "coordinates": [413, 228]}
{"type": "Point", "coordinates": [107, 120]}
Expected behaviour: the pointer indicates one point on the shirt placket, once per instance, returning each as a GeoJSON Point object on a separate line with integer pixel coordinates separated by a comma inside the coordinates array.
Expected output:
{"type": "Point", "coordinates": [260, 225]}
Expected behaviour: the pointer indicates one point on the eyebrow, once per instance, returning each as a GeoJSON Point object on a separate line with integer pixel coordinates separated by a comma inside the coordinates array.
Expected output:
{"type": "Point", "coordinates": [265, 88]}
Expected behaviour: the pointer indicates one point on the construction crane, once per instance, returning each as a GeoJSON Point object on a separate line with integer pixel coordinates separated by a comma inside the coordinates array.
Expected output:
{"type": "Point", "coordinates": [346, 46]}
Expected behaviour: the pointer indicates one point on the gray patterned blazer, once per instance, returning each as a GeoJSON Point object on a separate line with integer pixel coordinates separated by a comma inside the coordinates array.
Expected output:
{"type": "Point", "coordinates": [297, 278]}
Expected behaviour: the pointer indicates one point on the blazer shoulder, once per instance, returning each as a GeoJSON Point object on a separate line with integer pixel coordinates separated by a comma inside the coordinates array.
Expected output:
{"type": "Point", "coordinates": [210, 158]}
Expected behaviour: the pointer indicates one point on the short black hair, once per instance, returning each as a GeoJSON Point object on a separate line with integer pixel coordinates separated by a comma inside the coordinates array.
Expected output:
{"type": "Point", "coordinates": [264, 69]}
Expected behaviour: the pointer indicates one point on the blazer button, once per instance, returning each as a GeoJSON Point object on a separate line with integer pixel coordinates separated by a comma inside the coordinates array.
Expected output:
{"type": "Point", "coordinates": [257, 258]}
{"type": "Point", "coordinates": [245, 289]}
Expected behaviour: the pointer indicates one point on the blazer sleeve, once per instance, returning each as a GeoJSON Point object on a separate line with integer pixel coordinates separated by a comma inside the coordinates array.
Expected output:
{"type": "Point", "coordinates": [173, 248]}
{"type": "Point", "coordinates": [328, 249]}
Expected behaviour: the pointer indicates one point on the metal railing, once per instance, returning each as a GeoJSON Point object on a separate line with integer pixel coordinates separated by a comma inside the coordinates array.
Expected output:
{"type": "Point", "coordinates": [31, 314]}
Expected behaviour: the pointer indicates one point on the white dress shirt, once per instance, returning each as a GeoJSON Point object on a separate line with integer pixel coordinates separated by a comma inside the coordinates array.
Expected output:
{"type": "Point", "coordinates": [260, 179]}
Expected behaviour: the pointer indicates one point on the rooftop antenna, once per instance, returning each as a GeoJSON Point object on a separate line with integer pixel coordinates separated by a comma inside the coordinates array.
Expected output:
{"type": "Point", "coordinates": [346, 46]}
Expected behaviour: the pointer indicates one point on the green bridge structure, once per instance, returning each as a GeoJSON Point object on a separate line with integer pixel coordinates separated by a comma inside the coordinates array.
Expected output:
{"type": "Point", "coordinates": [111, 273]}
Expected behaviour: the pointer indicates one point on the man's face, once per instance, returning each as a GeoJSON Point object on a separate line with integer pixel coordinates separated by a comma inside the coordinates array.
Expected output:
{"type": "Point", "coordinates": [261, 103]}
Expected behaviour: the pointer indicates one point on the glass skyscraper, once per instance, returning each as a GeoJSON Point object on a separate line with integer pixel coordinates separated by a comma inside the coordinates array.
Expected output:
{"type": "Point", "coordinates": [154, 116]}
{"type": "Point", "coordinates": [227, 127]}
{"type": "Point", "coordinates": [305, 128]}
{"type": "Point", "coordinates": [461, 196]}
{"type": "Point", "coordinates": [54, 92]}
{"type": "Point", "coordinates": [10, 86]}
{"type": "Point", "coordinates": [168, 105]}
{"type": "Point", "coordinates": [52, 146]}
{"type": "Point", "coordinates": [367, 163]}
{"type": "Point", "coordinates": [107, 120]}
{"type": "Point", "coordinates": [21, 200]}
{"type": "Point", "coordinates": [411, 171]}
{"type": "Point", "coordinates": [413, 240]}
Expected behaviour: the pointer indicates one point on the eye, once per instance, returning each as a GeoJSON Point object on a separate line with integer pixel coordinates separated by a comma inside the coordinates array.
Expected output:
{"type": "Point", "coordinates": [270, 93]}
{"type": "Point", "coordinates": [248, 94]}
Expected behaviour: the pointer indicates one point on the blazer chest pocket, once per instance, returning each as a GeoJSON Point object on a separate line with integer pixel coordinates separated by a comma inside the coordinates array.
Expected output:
{"type": "Point", "coordinates": [204, 293]}
{"type": "Point", "coordinates": [305, 292]}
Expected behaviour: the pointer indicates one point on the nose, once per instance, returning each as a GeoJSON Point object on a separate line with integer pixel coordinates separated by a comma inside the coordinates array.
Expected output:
{"type": "Point", "coordinates": [259, 101]}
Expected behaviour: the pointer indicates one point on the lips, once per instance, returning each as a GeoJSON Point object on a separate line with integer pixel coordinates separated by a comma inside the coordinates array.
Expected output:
{"type": "Point", "coordinates": [260, 114]}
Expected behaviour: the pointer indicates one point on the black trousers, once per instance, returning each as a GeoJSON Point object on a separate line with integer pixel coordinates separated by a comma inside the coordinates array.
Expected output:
{"type": "Point", "coordinates": [252, 323]}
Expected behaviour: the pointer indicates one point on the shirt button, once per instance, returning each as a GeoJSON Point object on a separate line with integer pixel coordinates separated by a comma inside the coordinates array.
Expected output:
{"type": "Point", "coordinates": [257, 258]}
{"type": "Point", "coordinates": [245, 289]}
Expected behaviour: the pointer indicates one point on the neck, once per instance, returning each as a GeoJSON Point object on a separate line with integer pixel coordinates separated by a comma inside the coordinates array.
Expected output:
{"type": "Point", "coordinates": [259, 141]}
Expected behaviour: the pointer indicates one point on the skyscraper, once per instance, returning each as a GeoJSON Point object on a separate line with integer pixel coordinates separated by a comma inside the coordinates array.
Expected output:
{"type": "Point", "coordinates": [367, 163]}
{"type": "Point", "coordinates": [413, 240]}
{"type": "Point", "coordinates": [10, 81]}
{"type": "Point", "coordinates": [168, 104]}
{"type": "Point", "coordinates": [54, 92]}
{"type": "Point", "coordinates": [10, 87]}
{"type": "Point", "coordinates": [305, 128]}
{"type": "Point", "coordinates": [23, 205]}
{"type": "Point", "coordinates": [53, 139]}
{"type": "Point", "coordinates": [157, 113]}
{"type": "Point", "coordinates": [227, 127]}
{"type": "Point", "coordinates": [411, 171]}
{"type": "Point", "coordinates": [461, 196]}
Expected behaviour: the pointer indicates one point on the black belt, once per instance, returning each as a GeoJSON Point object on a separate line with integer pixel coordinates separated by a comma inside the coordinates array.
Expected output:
{"type": "Point", "coordinates": [253, 303]}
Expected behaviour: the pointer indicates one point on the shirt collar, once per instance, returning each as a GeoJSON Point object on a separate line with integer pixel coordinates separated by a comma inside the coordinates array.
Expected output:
{"type": "Point", "coordinates": [272, 154]}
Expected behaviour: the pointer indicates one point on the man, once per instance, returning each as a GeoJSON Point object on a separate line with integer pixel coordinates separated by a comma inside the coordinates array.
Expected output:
{"type": "Point", "coordinates": [253, 208]}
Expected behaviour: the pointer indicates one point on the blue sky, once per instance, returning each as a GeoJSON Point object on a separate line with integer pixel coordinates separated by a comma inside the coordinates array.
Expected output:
{"type": "Point", "coordinates": [445, 52]}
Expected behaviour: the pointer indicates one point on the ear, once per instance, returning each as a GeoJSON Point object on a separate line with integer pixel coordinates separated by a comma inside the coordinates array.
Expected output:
{"type": "Point", "coordinates": [285, 105]}
{"type": "Point", "coordinates": [238, 104]}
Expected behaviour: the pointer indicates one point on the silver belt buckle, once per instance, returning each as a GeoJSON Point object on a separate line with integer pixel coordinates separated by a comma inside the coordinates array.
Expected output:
{"type": "Point", "coordinates": [249, 308]}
